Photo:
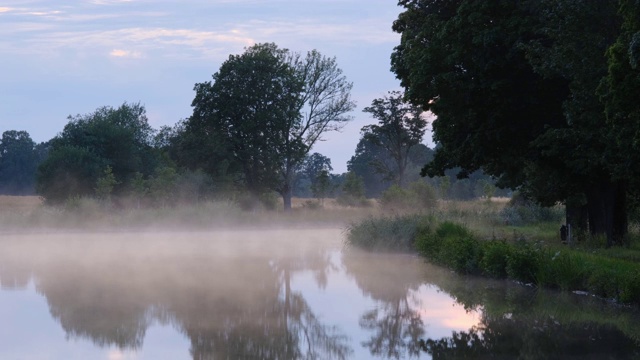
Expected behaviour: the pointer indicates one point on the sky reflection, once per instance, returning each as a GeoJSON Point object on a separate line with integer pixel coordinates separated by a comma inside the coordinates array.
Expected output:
{"type": "Point", "coordinates": [184, 295]}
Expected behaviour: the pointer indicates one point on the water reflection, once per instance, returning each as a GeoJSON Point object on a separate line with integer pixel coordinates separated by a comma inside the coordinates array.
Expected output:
{"type": "Point", "coordinates": [392, 281]}
{"type": "Point", "coordinates": [230, 301]}
{"type": "Point", "coordinates": [254, 294]}
{"type": "Point", "coordinates": [523, 323]}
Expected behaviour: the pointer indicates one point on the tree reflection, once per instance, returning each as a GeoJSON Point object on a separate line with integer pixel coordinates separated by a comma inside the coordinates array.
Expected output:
{"type": "Point", "coordinates": [230, 301]}
{"type": "Point", "coordinates": [524, 323]}
{"type": "Point", "coordinates": [395, 322]}
{"type": "Point", "coordinates": [507, 338]}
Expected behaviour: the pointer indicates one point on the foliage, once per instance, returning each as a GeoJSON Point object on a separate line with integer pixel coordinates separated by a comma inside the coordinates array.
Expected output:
{"type": "Point", "coordinates": [528, 212]}
{"type": "Point", "coordinates": [119, 138]}
{"type": "Point", "coordinates": [246, 113]}
{"type": "Point", "coordinates": [262, 126]}
{"type": "Point", "coordinates": [19, 159]}
{"type": "Point", "coordinates": [369, 158]}
{"type": "Point", "coordinates": [325, 100]}
{"type": "Point", "coordinates": [321, 186]}
{"type": "Point", "coordinates": [400, 127]}
{"type": "Point", "coordinates": [105, 185]}
{"type": "Point", "coordinates": [162, 186]}
{"type": "Point", "coordinates": [479, 65]}
{"type": "Point", "coordinates": [456, 247]}
{"type": "Point", "coordinates": [69, 171]}
{"type": "Point", "coordinates": [352, 191]}
{"type": "Point", "coordinates": [418, 196]}
{"type": "Point", "coordinates": [387, 233]}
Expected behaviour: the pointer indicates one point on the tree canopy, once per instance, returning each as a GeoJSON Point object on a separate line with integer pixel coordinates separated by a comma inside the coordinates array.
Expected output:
{"type": "Point", "coordinates": [401, 126]}
{"type": "Point", "coordinates": [264, 111]}
{"type": "Point", "coordinates": [19, 159]}
{"type": "Point", "coordinates": [119, 138]}
{"type": "Point", "coordinates": [514, 87]}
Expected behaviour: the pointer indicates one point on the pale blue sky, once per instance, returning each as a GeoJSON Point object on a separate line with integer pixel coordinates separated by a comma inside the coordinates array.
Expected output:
{"type": "Point", "coordinates": [65, 57]}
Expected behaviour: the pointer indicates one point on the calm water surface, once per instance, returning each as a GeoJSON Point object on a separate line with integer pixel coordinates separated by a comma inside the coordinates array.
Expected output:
{"type": "Point", "coordinates": [278, 294]}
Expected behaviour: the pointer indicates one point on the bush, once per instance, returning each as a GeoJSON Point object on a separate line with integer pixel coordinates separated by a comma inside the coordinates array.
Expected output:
{"type": "Point", "coordinates": [529, 214]}
{"type": "Point", "coordinates": [523, 263]}
{"type": "Point", "coordinates": [495, 255]}
{"type": "Point", "coordinates": [451, 245]}
{"type": "Point", "coordinates": [393, 233]}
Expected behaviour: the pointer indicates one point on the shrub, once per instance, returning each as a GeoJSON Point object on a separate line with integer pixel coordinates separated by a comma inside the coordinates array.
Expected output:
{"type": "Point", "coordinates": [521, 211]}
{"type": "Point", "coordinates": [393, 233]}
{"type": "Point", "coordinates": [451, 245]}
{"type": "Point", "coordinates": [523, 263]}
{"type": "Point", "coordinates": [495, 255]}
{"type": "Point", "coordinates": [561, 270]}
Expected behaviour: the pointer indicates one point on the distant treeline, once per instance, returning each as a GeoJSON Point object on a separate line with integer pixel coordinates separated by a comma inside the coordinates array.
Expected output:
{"type": "Point", "coordinates": [250, 137]}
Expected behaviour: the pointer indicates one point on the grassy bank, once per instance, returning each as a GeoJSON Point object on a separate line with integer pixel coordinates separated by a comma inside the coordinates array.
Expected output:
{"type": "Point", "coordinates": [608, 273]}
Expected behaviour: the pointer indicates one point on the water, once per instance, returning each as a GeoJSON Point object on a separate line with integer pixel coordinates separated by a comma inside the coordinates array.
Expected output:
{"type": "Point", "coordinates": [277, 294]}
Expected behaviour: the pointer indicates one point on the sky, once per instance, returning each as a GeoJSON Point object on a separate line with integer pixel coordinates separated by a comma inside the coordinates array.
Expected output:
{"type": "Point", "coordinates": [64, 57]}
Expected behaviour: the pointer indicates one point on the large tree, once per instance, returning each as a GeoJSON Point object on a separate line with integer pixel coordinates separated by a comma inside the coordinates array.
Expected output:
{"type": "Point", "coordinates": [120, 138]}
{"type": "Point", "coordinates": [513, 85]}
{"type": "Point", "coordinates": [247, 113]}
{"type": "Point", "coordinates": [325, 103]}
{"type": "Point", "coordinates": [619, 91]}
{"type": "Point", "coordinates": [400, 127]}
{"type": "Point", "coordinates": [264, 111]}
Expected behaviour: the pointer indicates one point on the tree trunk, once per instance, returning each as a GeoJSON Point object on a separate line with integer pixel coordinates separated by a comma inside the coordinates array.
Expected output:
{"type": "Point", "coordinates": [606, 203]}
{"type": "Point", "coordinates": [577, 215]}
{"type": "Point", "coordinates": [286, 198]}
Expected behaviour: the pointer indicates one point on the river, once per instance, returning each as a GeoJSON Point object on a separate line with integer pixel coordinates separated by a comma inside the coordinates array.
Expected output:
{"type": "Point", "coordinates": [278, 294]}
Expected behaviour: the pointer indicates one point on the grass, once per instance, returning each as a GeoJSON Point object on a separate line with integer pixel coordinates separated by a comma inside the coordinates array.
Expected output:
{"type": "Point", "coordinates": [468, 237]}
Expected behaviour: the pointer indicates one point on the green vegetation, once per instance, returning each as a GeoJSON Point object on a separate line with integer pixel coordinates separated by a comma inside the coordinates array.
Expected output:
{"type": "Point", "coordinates": [611, 274]}
{"type": "Point", "coordinates": [523, 91]}
{"type": "Point", "coordinates": [419, 196]}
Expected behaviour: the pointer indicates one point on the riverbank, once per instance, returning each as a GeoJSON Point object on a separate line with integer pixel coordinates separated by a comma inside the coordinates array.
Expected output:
{"type": "Point", "coordinates": [542, 261]}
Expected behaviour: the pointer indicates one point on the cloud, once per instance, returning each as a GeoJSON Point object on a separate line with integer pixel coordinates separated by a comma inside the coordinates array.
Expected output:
{"type": "Point", "coordinates": [119, 53]}
{"type": "Point", "coordinates": [109, 2]}
{"type": "Point", "coordinates": [5, 9]}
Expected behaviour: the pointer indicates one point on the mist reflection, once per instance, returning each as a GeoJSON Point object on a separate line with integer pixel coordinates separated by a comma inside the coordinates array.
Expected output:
{"type": "Point", "coordinates": [230, 301]}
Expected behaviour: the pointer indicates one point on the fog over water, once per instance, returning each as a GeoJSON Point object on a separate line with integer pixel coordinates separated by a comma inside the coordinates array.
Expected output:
{"type": "Point", "coordinates": [259, 293]}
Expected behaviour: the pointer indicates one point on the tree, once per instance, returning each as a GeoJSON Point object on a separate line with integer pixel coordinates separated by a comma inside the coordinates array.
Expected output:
{"type": "Point", "coordinates": [513, 87]}
{"type": "Point", "coordinates": [265, 110]}
{"type": "Point", "coordinates": [116, 137]}
{"type": "Point", "coordinates": [400, 127]}
{"type": "Point", "coordinates": [105, 185]}
{"type": "Point", "coordinates": [363, 163]}
{"type": "Point", "coordinates": [619, 89]}
{"type": "Point", "coordinates": [370, 162]}
{"type": "Point", "coordinates": [352, 191]}
{"type": "Point", "coordinates": [245, 115]}
{"type": "Point", "coordinates": [19, 159]}
{"type": "Point", "coordinates": [316, 169]}
{"type": "Point", "coordinates": [321, 186]}
{"type": "Point", "coordinates": [325, 101]}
